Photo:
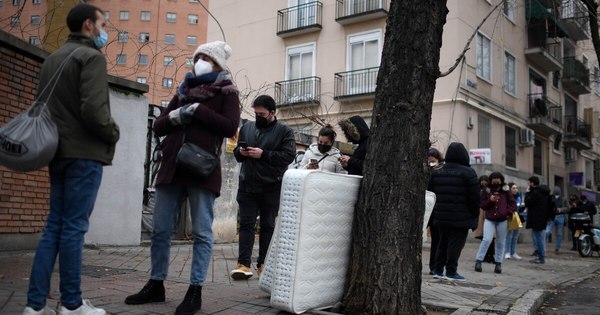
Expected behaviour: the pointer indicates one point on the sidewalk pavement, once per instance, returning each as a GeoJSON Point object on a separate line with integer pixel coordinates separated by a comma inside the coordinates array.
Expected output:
{"type": "Point", "coordinates": [112, 273]}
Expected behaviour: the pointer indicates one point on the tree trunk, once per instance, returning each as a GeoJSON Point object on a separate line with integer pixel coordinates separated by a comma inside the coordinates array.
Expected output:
{"type": "Point", "coordinates": [384, 275]}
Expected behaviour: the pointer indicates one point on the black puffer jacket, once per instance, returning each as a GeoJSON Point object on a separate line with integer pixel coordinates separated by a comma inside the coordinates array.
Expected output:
{"type": "Point", "coordinates": [279, 149]}
{"type": "Point", "coordinates": [540, 207]}
{"type": "Point", "coordinates": [357, 129]}
{"type": "Point", "coordinates": [457, 191]}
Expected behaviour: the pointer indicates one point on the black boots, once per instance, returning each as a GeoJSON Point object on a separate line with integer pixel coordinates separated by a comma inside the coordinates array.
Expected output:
{"type": "Point", "coordinates": [192, 302]}
{"type": "Point", "coordinates": [478, 266]}
{"type": "Point", "coordinates": [153, 291]}
{"type": "Point", "coordinates": [498, 268]}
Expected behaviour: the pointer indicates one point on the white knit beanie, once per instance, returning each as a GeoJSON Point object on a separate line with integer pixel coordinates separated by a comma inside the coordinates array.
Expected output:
{"type": "Point", "coordinates": [218, 51]}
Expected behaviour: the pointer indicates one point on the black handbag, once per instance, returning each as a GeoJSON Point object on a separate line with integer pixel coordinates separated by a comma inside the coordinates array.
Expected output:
{"type": "Point", "coordinates": [196, 160]}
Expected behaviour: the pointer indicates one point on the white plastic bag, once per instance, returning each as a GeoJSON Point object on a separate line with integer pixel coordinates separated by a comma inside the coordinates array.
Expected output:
{"type": "Point", "coordinates": [29, 141]}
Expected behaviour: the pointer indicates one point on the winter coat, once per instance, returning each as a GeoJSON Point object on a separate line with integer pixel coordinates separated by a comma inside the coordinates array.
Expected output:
{"type": "Point", "coordinates": [79, 104]}
{"type": "Point", "coordinates": [356, 127]}
{"type": "Point", "coordinates": [328, 162]}
{"type": "Point", "coordinates": [540, 208]}
{"type": "Point", "coordinates": [457, 191]}
{"type": "Point", "coordinates": [498, 211]}
{"type": "Point", "coordinates": [279, 149]}
{"type": "Point", "coordinates": [216, 117]}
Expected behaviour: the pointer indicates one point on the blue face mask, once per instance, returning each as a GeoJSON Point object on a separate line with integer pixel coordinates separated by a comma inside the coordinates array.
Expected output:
{"type": "Point", "coordinates": [101, 40]}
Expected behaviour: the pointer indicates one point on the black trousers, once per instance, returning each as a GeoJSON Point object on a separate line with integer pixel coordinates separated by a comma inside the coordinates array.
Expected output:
{"type": "Point", "coordinates": [451, 243]}
{"type": "Point", "coordinates": [435, 240]}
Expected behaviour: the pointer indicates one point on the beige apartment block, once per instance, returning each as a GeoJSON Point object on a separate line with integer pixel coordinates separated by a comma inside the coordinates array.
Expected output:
{"type": "Point", "coordinates": [150, 41]}
{"type": "Point", "coordinates": [524, 99]}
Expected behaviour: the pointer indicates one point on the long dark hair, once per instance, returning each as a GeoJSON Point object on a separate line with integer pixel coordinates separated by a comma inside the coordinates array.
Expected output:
{"type": "Point", "coordinates": [327, 131]}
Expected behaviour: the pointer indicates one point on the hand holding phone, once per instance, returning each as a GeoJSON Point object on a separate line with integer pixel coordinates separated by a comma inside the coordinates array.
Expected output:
{"type": "Point", "coordinates": [243, 144]}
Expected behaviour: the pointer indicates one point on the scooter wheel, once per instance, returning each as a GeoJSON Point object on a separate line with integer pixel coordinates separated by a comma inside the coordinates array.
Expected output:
{"type": "Point", "coordinates": [585, 246]}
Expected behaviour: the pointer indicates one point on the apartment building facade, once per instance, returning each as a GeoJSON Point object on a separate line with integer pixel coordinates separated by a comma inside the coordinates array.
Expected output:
{"type": "Point", "coordinates": [524, 99]}
{"type": "Point", "coordinates": [150, 41]}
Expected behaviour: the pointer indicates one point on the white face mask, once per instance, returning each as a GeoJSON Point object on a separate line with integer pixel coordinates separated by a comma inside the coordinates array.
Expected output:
{"type": "Point", "coordinates": [202, 67]}
{"type": "Point", "coordinates": [433, 164]}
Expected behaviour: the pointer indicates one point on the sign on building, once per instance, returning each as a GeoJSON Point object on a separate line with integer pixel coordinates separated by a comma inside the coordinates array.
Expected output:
{"type": "Point", "coordinates": [480, 156]}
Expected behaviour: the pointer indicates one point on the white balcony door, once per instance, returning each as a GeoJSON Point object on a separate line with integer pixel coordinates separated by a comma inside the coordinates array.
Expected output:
{"type": "Point", "coordinates": [364, 52]}
{"type": "Point", "coordinates": [300, 64]}
{"type": "Point", "coordinates": [360, 6]}
{"type": "Point", "coordinates": [301, 15]}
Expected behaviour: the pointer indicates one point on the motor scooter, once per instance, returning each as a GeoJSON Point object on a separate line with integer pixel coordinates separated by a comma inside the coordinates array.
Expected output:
{"type": "Point", "coordinates": [588, 236]}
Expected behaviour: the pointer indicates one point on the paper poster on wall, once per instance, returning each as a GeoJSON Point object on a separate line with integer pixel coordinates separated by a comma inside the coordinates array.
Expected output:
{"type": "Point", "coordinates": [480, 156]}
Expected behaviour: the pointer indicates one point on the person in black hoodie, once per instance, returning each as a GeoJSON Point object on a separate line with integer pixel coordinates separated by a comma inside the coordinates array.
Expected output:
{"type": "Point", "coordinates": [456, 208]}
{"type": "Point", "coordinates": [356, 131]}
{"type": "Point", "coordinates": [540, 210]}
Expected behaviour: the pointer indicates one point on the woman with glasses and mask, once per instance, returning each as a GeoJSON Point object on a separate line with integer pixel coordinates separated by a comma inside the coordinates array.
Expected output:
{"type": "Point", "coordinates": [322, 155]}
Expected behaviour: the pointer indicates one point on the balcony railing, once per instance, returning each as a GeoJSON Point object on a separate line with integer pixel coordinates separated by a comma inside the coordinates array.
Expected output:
{"type": "Point", "coordinates": [575, 18]}
{"type": "Point", "coordinates": [578, 134]}
{"type": "Point", "coordinates": [300, 19]}
{"type": "Point", "coordinates": [352, 11]}
{"type": "Point", "coordinates": [576, 77]}
{"type": "Point", "coordinates": [545, 16]}
{"type": "Point", "coordinates": [545, 115]}
{"type": "Point", "coordinates": [545, 54]}
{"type": "Point", "coordinates": [298, 91]}
{"type": "Point", "coordinates": [355, 83]}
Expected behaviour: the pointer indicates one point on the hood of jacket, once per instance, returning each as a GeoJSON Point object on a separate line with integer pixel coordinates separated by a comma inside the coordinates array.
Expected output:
{"type": "Point", "coordinates": [457, 153]}
{"type": "Point", "coordinates": [355, 127]}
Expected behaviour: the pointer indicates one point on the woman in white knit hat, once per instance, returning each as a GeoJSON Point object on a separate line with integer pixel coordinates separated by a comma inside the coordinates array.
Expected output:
{"type": "Point", "coordinates": [205, 109]}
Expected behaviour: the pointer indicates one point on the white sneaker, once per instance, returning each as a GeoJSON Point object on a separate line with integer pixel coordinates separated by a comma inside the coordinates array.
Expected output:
{"type": "Point", "coordinates": [85, 309]}
{"type": "Point", "coordinates": [517, 257]}
{"type": "Point", "coordinates": [507, 256]}
{"type": "Point", "coordinates": [45, 311]}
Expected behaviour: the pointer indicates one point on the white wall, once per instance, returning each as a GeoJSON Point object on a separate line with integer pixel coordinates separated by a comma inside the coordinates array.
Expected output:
{"type": "Point", "coordinates": [116, 219]}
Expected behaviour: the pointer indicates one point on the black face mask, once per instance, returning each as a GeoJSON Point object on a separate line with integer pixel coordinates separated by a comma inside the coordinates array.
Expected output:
{"type": "Point", "coordinates": [496, 187]}
{"type": "Point", "coordinates": [261, 122]}
{"type": "Point", "coordinates": [324, 148]}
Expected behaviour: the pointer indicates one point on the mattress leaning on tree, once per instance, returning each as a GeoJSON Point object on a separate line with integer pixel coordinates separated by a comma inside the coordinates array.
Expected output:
{"type": "Point", "coordinates": [307, 261]}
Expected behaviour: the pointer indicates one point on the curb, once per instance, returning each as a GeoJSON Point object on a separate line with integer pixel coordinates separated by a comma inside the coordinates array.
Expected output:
{"type": "Point", "coordinates": [529, 303]}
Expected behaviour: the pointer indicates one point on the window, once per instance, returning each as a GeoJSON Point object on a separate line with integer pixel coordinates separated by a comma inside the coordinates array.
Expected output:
{"type": "Point", "coordinates": [144, 37]}
{"type": "Point", "coordinates": [537, 157]}
{"type": "Point", "coordinates": [364, 52]}
{"type": "Point", "coordinates": [191, 40]}
{"type": "Point", "coordinates": [171, 17]}
{"type": "Point", "coordinates": [141, 80]}
{"type": "Point", "coordinates": [14, 21]}
{"type": "Point", "coordinates": [509, 73]}
{"type": "Point", "coordinates": [124, 15]}
{"type": "Point", "coordinates": [509, 9]}
{"type": "Point", "coordinates": [192, 19]}
{"type": "Point", "coordinates": [167, 82]}
{"type": "Point", "coordinates": [510, 146]}
{"type": "Point", "coordinates": [300, 62]}
{"type": "Point", "coordinates": [142, 59]}
{"type": "Point", "coordinates": [106, 16]}
{"type": "Point", "coordinates": [123, 37]}
{"type": "Point", "coordinates": [483, 131]}
{"type": "Point", "coordinates": [483, 57]}
{"type": "Point", "coordinates": [35, 20]}
{"type": "Point", "coordinates": [189, 62]}
{"type": "Point", "coordinates": [555, 78]}
{"type": "Point", "coordinates": [303, 13]}
{"type": "Point", "coordinates": [168, 61]}
{"type": "Point", "coordinates": [36, 1]}
{"type": "Point", "coordinates": [34, 40]}
{"type": "Point", "coordinates": [170, 39]}
{"type": "Point", "coordinates": [121, 59]}
{"type": "Point", "coordinates": [145, 16]}
{"type": "Point", "coordinates": [16, 2]}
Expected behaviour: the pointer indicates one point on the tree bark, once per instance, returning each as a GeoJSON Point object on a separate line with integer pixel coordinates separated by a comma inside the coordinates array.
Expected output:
{"type": "Point", "coordinates": [384, 275]}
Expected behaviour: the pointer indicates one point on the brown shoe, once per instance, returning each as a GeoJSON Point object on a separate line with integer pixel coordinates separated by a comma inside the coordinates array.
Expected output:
{"type": "Point", "coordinates": [241, 272]}
{"type": "Point", "coordinates": [260, 269]}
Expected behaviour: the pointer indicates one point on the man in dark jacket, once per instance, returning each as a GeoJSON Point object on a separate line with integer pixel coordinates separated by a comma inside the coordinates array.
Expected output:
{"type": "Point", "coordinates": [268, 150]}
{"type": "Point", "coordinates": [356, 131]}
{"type": "Point", "coordinates": [456, 208]}
{"type": "Point", "coordinates": [540, 210]}
{"type": "Point", "coordinates": [80, 108]}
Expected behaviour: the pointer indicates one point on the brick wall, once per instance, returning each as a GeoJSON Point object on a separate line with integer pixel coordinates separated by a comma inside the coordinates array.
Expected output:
{"type": "Point", "coordinates": [24, 197]}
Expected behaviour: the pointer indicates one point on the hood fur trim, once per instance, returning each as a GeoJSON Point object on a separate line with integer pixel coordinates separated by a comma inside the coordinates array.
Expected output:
{"type": "Point", "coordinates": [349, 128]}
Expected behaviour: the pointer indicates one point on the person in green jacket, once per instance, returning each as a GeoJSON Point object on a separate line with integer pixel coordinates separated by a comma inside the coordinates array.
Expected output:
{"type": "Point", "coordinates": [79, 106]}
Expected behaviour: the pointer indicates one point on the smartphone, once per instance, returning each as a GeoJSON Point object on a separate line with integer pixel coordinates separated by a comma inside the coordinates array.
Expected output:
{"type": "Point", "coordinates": [242, 144]}
{"type": "Point", "coordinates": [313, 161]}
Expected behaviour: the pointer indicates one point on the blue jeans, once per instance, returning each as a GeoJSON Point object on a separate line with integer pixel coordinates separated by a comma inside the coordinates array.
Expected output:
{"type": "Point", "coordinates": [538, 243]}
{"type": "Point", "coordinates": [511, 241]}
{"type": "Point", "coordinates": [169, 199]}
{"type": "Point", "coordinates": [74, 186]}
{"type": "Point", "coordinates": [559, 222]}
{"type": "Point", "coordinates": [489, 227]}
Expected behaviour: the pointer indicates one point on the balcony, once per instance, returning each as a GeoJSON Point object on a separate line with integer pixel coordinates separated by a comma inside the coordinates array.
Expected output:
{"type": "Point", "coordinates": [576, 77]}
{"type": "Point", "coordinates": [577, 134]}
{"type": "Point", "coordinates": [545, 115]}
{"type": "Point", "coordinates": [303, 91]}
{"type": "Point", "coordinates": [575, 18]}
{"type": "Point", "coordinates": [545, 55]}
{"type": "Point", "coordinates": [355, 84]}
{"type": "Point", "coordinates": [544, 16]}
{"type": "Point", "coordinates": [354, 11]}
{"type": "Point", "coordinates": [301, 19]}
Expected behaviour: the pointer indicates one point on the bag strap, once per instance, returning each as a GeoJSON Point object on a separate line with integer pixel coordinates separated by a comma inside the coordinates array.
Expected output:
{"type": "Point", "coordinates": [55, 77]}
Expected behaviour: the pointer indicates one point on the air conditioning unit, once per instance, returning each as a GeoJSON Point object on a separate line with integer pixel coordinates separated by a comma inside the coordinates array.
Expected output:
{"type": "Point", "coordinates": [526, 137]}
{"type": "Point", "coordinates": [570, 154]}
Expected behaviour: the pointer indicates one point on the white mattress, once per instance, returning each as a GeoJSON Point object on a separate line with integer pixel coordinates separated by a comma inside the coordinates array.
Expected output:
{"type": "Point", "coordinates": [307, 261]}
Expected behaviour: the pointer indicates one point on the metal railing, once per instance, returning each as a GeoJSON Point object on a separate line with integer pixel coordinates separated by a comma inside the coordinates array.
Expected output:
{"type": "Point", "coordinates": [575, 69]}
{"type": "Point", "coordinates": [575, 126]}
{"type": "Point", "coordinates": [357, 82]}
{"type": "Point", "coordinates": [576, 12]}
{"type": "Point", "coordinates": [299, 17]}
{"type": "Point", "coordinates": [540, 106]}
{"type": "Point", "coordinates": [303, 90]}
{"type": "Point", "coordinates": [346, 8]}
